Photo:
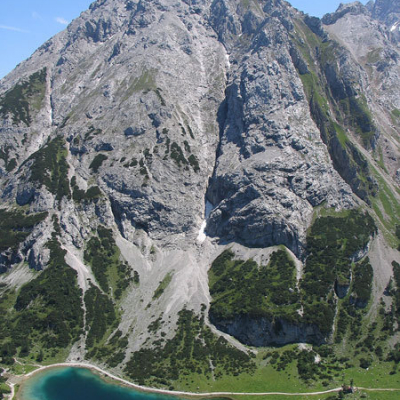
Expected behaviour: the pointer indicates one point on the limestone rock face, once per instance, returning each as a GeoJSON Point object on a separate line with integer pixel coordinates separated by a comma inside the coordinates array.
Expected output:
{"type": "Point", "coordinates": [387, 11]}
{"type": "Point", "coordinates": [371, 37]}
{"type": "Point", "coordinates": [164, 94]}
{"type": "Point", "coordinates": [263, 332]}
{"type": "Point", "coordinates": [354, 8]}
{"type": "Point", "coordinates": [272, 168]}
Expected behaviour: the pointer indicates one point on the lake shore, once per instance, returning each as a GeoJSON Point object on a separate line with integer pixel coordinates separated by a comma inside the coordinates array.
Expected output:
{"type": "Point", "coordinates": [145, 389]}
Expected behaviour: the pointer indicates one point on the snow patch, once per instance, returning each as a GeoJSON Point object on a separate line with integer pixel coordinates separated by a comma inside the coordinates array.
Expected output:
{"type": "Point", "coordinates": [228, 63]}
{"type": "Point", "coordinates": [201, 237]}
{"type": "Point", "coordinates": [394, 27]}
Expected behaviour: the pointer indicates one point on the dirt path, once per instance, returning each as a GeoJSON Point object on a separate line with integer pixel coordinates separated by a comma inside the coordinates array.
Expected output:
{"type": "Point", "coordinates": [169, 392]}
{"type": "Point", "coordinates": [378, 389]}
{"type": "Point", "coordinates": [12, 393]}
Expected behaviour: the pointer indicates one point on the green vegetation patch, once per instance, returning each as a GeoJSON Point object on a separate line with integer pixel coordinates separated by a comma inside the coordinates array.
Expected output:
{"type": "Point", "coordinates": [113, 275]}
{"type": "Point", "coordinates": [398, 235]}
{"type": "Point", "coordinates": [353, 307]}
{"type": "Point", "coordinates": [332, 244]}
{"type": "Point", "coordinates": [100, 315]}
{"type": "Point", "coordinates": [50, 168]}
{"type": "Point", "coordinates": [116, 348]}
{"type": "Point", "coordinates": [359, 117]}
{"type": "Point", "coordinates": [395, 115]}
{"type": "Point", "coordinates": [396, 112]}
{"type": "Point", "coordinates": [362, 286]}
{"type": "Point", "coordinates": [92, 131]}
{"type": "Point", "coordinates": [395, 293]}
{"type": "Point", "coordinates": [177, 155]}
{"type": "Point", "coordinates": [15, 227]}
{"type": "Point", "coordinates": [193, 351]}
{"type": "Point", "coordinates": [97, 162]}
{"type": "Point", "coordinates": [387, 208]}
{"type": "Point", "coordinates": [92, 193]}
{"type": "Point", "coordinates": [46, 313]}
{"type": "Point", "coordinates": [4, 388]}
{"type": "Point", "coordinates": [374, 56]}
{"type": "Point", "coordinates": [102, 319]}
{"type": "Point", "coordinates": [144, 82]}
{"type": "Point", "coordinates": [194, 163]}
{"type": "Point", "coordinates": [333, 134]}
{"type": "Point", "coordinates": [163, 285]}
{"type": "Point", "coordinates": [158, 94]}
{"type": "Point", "coordinates": [351, 111]}
{"type": "Point", "coordinates": [24, 98]}
{"type": "Point", "coordinates": [80, 195]}
{"type": "Point", "coordinates": [132, 163]}
{"type": "Point", "coordinates": [243, 288]}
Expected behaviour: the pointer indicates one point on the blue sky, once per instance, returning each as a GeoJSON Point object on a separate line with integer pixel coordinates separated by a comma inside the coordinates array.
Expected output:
{"type": "Point", "coordinates": [27, 24]}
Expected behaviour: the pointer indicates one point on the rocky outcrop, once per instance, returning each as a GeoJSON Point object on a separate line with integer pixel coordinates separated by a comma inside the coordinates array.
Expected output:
{"type": "Point", "coordinates": [385, 9]}
{"type": "Point", "coordinates": [264, 162]}
{"type": "Point", "coordinates": [264, 332]}
{"type": "Point", "coordinates": [158, 143]}
{"type": "Point", "coordinates": [8, 258]}
{"type": "Point", "coordinates": [355, 8]}
{"type": "Point", "coordinates": [371, 42]}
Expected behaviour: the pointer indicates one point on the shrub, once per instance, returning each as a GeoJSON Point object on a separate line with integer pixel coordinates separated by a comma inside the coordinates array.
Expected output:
{"type": "Point", "coordinates": [24, 98]}
{"type": "Point", "coordinates": [15, 227]}
{"type": "Point", "coordinates": [331, 246]}
{"type": "Point", "coordinates": [100, 315]}
{"type": "Point", "coordinates": [189, 351]}
{"type": "Point", "coordinates": [49, 306]}
{"type": "Point", "coordinates": [102, 254]}
{"type": "Point", "coordinates": [162, 286]}
{"type": "Point", "coordinates": [193, 161]}
{"type": "Point", "coordinates": [365, 363]}
{"type": "Point", "coordinates": [50, 168]}
{"type": "Point", "coordinates": [92, 193]}
{"type": "Point", "coordinates": [362, 286]}
{"type": "Point", "coordinates": [97, 162]}
{"type": "Point", "coordinates": [242, 287]}
{"type": "Point", "coordinates": [177, 155]}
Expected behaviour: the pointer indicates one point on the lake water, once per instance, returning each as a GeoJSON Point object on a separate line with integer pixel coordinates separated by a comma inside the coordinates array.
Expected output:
{"type": "Point", "coordinates": [68, 383]}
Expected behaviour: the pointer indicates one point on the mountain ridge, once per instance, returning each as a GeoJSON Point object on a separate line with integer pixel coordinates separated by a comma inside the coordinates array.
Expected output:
{"type": "Point", "coordinates": [159, 135]}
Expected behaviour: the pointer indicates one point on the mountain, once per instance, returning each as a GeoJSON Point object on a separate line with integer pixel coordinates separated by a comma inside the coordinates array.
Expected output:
{"type": "Point", "coordinates": [182, 179]}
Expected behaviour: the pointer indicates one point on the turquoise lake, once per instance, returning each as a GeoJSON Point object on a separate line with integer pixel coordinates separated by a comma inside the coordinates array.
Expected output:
{"type": "Point", "coordinates": [68, 383]}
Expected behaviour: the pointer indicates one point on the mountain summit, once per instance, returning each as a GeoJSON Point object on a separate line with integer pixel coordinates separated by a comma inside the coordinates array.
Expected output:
{"type": "Point", "coordinates": [173, 170]}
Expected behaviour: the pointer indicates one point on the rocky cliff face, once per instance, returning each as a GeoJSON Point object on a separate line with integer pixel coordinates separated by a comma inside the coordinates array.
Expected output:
{"type": "Point", "coordinates": [272, 167]}
{"type": "Point", "coordinates": [141, 113]}
{"type": "Point", "coordinates": [373, 44]}
{"type": "Point", "coordinates": [264, 332]}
